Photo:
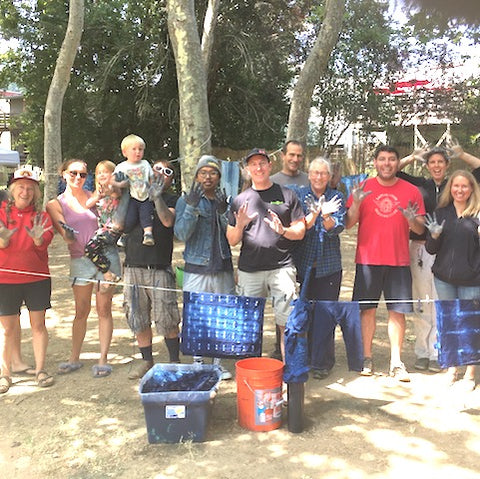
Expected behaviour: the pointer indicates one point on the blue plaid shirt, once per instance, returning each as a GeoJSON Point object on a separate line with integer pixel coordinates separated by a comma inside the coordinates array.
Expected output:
{"type": "Point", "coordinates": [320, 248]}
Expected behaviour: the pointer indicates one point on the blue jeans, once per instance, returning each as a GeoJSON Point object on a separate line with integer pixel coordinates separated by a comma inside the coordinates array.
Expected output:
{"type": "Point", "coordinates": [452, 291]}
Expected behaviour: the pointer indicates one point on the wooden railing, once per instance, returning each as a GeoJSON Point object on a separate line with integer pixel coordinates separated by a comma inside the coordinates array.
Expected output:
{"type": "Point", "coordinates": [4, 121]}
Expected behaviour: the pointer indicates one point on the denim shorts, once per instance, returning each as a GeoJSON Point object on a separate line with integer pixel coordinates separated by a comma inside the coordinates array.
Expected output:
{"type": "Point", "coordinates": [447, 291]}
{"type": "Point", "coordinates": [82, 269]}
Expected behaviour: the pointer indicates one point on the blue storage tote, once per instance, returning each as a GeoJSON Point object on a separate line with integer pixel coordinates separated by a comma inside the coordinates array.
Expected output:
{"type": "Point", "coordinates": [178, 415]}
{"type": "Point", "coordinates": [222, 325]}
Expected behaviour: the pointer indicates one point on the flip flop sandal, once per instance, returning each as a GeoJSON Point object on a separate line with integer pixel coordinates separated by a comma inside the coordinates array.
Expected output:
{"type": "Point", "coordinates": [45, 381]}
{"type": "Point", "coordinates": [5, 383]}
{"type": "Point", "coordinates": [29, 371]}
{"type": "Point", "coordinates": [101, 371]}
{"type": "Point", "coordinates": [67, 368]}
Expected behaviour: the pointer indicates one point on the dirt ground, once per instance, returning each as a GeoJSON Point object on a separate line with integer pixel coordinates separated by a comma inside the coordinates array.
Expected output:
{"type": "Point", "coordinates": [355, 427]}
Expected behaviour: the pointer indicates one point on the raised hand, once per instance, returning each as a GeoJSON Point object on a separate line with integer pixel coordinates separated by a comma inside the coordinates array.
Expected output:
{"type": "Point", "coordinates": [432, 225]}
{"type": "Point", "coordinates": [275, 223]}
{"type": "Point", "coordinates": [156, 188]}
{"type": "Point", "coordinates": [38, 228]}
{"type": "Point", "coordinates": [5, 233]}
{"type": "Point", "coordinates": [194, 195]}
{"type": "Point", "coordinates": [221, 200]}
{"type": "Point", "coordinates": [358, 192]}
{"type": "Point", "coordinates": [410, 212]}
{"type": "Point", "coordinates": [314, 206]}
{"type": "Point", "coordinates": [242, 217]}
{"type": "Point", "coordinates": [331, 206]}
{"type": "Point", "coordinates": [119, 180]}
{"type": "Point", "coordinates": [69, 231]}
{"type": "Point", "coordinates": [454, 149]}
{"type": "Point", "coordinates": [418, 154]}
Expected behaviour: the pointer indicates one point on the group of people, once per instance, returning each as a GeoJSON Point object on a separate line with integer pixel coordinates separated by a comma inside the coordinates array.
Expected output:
{"type": "Point", "coordinates": [288, 225]}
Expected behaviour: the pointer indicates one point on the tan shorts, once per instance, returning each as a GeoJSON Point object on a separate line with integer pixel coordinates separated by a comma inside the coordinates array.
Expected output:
{"type": "Point", "coordinates": [279, 284]}
{"type": "Point", "coordinates": [149, 295]}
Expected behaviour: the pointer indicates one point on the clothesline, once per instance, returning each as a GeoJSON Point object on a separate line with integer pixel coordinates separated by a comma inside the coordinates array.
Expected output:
{"type": "Point", "coordinates": [123, 284]}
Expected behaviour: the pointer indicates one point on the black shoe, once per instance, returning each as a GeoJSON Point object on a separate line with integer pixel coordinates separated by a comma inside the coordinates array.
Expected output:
{"type": "Point", "coordinates": [422, 364]}
{"type": "Point", "coordinates": [434, 367]}
{"type": "Point", "coordinates": [321, 373]}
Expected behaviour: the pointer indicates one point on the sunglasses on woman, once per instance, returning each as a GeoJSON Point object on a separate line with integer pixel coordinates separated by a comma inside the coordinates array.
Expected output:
{"type": "Point", "coordinates": [74, 174]}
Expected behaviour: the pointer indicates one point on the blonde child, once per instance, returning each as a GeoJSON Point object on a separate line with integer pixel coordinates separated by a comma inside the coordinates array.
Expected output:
{"type": "Point", "coordinates": [139, 175]}
{"type": "Point", "coordinates": [111, 209]}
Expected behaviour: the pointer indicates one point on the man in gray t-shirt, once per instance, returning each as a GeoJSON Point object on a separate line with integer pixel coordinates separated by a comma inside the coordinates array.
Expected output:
{"type": "Point", "coordinates": [292, 159]}
{"type": "Point", "coordinates": [290, 174]}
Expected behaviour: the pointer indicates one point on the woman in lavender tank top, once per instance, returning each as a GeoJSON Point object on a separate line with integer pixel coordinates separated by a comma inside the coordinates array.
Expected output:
{"type": "Point", "coordinates": [76, 224]}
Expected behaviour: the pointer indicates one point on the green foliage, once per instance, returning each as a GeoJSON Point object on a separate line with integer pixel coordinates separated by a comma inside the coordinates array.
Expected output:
{"type": "Point", "coordinates": [250, 75]}
{"type": "Point", "coordinates": [366, 54]}
{"type": "Point", "coordinates": [124, 77]}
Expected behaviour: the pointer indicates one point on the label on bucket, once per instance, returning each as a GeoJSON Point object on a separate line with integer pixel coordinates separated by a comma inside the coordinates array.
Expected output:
{"type": "Point", "coordinates": [175, 411]}
{"type": "Point", "coordinates": [268, 406]}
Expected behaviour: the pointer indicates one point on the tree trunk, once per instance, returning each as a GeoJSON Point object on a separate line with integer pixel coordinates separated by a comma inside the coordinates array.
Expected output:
{"type": "Point", "coordinates": [314, 67]}
{"type": "Point", "coordinates": [195, 134]}
{"type": "Point", "coordinates": [209, 24]}
{"type": "Point", "coordinates": [52, 149]}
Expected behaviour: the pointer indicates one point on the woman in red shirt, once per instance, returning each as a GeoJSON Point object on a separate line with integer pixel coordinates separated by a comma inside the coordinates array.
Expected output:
{"type": "Point", "coordinates": [25, 233]}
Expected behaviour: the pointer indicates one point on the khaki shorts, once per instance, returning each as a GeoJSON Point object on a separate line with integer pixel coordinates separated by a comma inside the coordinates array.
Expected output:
{"type": "Point", "coordinates": [279, 284]}
{"type": "Point", "coordinates": [150, 295]}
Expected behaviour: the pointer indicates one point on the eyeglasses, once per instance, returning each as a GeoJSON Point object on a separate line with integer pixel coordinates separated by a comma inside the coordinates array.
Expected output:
{"type": "Point", "coordinates": [319, 173]}
{"type": "Point", "coordinates": [74, 174]}
{"type": "Point", "coordinates": [163, 170]}
{"type": "Point", "coordinates": [210, 174]}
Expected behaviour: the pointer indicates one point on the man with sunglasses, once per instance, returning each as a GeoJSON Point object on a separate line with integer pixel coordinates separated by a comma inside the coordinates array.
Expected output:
{"type": "Point", "coordinates": [150, 290]}
{"type": "Point", "coordinates": [201, 223]}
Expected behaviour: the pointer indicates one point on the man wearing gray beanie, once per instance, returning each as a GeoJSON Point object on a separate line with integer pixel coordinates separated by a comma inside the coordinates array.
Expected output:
{"type": "Point", "coordinates": [201, 223]}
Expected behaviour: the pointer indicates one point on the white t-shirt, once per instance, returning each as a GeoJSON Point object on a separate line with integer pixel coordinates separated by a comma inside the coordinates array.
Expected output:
{"type": "Point", "coordinates": [139, 175]}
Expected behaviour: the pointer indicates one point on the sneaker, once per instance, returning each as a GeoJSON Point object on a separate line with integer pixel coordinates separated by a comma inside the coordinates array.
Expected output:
{"type": "Point", "coordinates": [197, 360]}
{"type": "Point", "coordinates": [367, 369]}
{"type": "Point", "coordinates": [451, 377]}
{"type": "Point", "coordinates": [321, 373]}
{"type": "Point", "coordinates": [148, 239]}
{"type": "Point", "coordinates": [422, 364]}
{"type": "Point", "coordinates": [434, 367]}
{"type": "Point", "coordinates": [284, 395]}
{"type": "Point", "coordinates": [121, 243]}
{"type": "Point", "coordinates": [140, 369]}
{"type": "Point", "coordinates": [464, 385]}
{"type": "Point", "coordinates": [400, 373]}
{"type": "Point", "coordinates": [226, 374]}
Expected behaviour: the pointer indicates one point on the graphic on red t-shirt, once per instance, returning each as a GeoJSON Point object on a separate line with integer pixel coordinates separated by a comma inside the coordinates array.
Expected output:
{"type": "Point", "coordinates": [386, 205]}
{"type": "Point", "coordinates": [382, 229]}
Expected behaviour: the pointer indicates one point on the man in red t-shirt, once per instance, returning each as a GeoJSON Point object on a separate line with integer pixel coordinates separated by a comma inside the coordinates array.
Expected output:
{"type": "Point", "coordinates": [385, 208]}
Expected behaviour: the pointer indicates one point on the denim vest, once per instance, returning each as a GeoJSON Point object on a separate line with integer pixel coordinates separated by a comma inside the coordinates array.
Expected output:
{"type": "Point", "coordinates": [193, 226]}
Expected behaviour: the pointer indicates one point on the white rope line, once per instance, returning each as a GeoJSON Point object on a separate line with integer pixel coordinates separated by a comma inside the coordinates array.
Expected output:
{"type": "Point", "coordinates": [194, 154]}
{"type": "Point", "coordinates": [427, 299]}
{"type": "Point", "coordinates": [90, 280]}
